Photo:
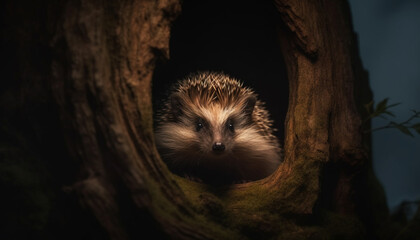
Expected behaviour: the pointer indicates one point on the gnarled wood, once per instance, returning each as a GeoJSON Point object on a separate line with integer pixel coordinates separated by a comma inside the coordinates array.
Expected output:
{"type": "Point", "coordinates": [99, 75]}
{"type": "Point", "coordinates": [105, 102]}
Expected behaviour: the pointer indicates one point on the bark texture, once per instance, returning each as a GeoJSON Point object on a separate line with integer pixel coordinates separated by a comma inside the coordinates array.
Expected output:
{"type": "Point", "coordinates": [105, 82]}
{"type": "Point", "coordinates": [96, 81]}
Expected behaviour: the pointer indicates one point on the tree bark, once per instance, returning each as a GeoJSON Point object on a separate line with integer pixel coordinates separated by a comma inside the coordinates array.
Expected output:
{"type": "Point", "coordinates": [97, 80]}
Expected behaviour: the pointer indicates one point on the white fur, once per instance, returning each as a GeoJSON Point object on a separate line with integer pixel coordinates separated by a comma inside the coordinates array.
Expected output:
{"type": "Point", "coordinates": [250, 154]}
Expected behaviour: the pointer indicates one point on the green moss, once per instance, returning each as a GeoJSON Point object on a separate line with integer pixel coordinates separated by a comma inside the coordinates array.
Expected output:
{"type": "Point", "coordinates": [201, 208]}
{"type": "Point", "coordinates": [254, 209]}
{"type": "Point", "coordinates": [260, 211]}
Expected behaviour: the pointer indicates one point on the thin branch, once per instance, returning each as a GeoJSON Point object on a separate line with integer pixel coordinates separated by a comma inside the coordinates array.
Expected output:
{"type": "Point", "coordinates": [381, 109]}
{"type": "Point", "coordinates": [395, 125]}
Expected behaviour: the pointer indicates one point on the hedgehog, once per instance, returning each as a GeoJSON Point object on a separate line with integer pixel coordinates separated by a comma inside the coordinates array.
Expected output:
{"type": "Point", "coordinates": [212, 129]}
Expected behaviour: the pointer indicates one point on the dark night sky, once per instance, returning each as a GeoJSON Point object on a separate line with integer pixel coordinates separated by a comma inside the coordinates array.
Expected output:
{"type": "Point", "coordinates": [389, 37]}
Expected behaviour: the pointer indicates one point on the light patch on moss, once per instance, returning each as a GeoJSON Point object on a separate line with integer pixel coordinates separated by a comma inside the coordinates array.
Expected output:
{"type": "Point", "coordinates": [168, 211]}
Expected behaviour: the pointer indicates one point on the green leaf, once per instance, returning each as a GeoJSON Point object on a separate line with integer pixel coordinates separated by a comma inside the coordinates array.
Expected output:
{"type": "Point", "coordinates": [393, 105]}
{"type": "Point", "coordinates": [404, 130]}
{"type": "Point", "coordinates": [416, 127]}
{"type": "Point", "coordinates": [392, 123]}
{"type": "Point", "coordinates": [368, 106]}
{"type": "Point", "coordinates": [375, 114]}
{"type": "Point", "coordinates": [389, 113]}
{"type": "Point", "coordinates": [381, 106]}
{"type": "Point", "coordinates": [414, 111]}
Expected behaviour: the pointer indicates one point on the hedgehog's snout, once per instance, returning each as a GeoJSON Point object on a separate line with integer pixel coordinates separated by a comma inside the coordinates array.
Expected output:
{"type": "Point", "coordinates": [218, 147]}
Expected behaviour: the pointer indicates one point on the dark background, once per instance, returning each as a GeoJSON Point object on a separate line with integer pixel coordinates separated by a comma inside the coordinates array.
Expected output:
{"type": "Point", "coordinates": [389, 37]}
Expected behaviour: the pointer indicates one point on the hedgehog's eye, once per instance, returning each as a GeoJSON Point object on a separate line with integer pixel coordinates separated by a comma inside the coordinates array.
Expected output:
{"type": "Point", "coordinates": [231, 127]}
{"type": "Point", "coordinates": [198, 126]}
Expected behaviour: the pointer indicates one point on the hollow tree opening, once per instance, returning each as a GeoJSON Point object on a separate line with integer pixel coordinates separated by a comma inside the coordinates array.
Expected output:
{"type": "Point", "coordinates": [220, 37]}
{"type": "Point", "coordinates": [239, 38]}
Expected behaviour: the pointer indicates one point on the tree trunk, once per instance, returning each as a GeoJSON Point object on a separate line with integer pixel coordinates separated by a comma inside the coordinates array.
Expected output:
{"type": "Point", "coordinates": [82, 104]}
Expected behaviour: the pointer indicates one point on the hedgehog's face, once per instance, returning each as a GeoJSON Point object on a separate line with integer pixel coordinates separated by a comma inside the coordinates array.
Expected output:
{"type": "Point", "coordinates": [213, 127]}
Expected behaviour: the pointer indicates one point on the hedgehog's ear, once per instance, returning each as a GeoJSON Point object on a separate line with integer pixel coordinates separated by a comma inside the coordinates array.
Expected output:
{"type": "Point", "coordinates": [249, 105]}
{"type": "Point", "coordinates": [176, 105]}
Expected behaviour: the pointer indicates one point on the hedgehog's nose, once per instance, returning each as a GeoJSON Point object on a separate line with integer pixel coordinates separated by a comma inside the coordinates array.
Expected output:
{"type": "Point", "coordinates": [218, 147]}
